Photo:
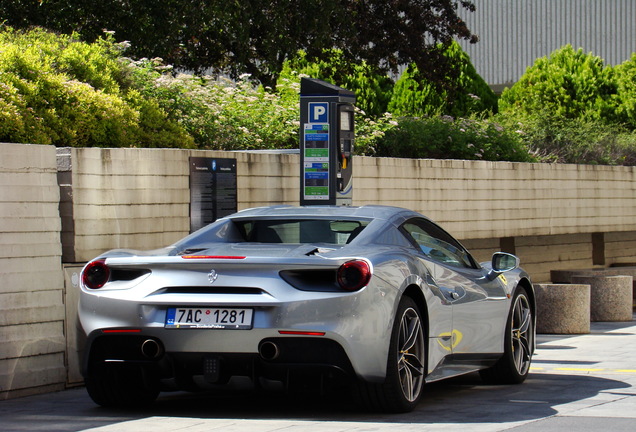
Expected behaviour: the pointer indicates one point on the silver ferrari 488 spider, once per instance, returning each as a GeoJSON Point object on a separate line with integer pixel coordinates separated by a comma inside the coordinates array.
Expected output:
{"type": "Point", "coordinates": [378, 298]}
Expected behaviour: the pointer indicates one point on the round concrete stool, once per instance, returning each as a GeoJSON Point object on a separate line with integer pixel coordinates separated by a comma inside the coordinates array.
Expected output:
{"type": "Point", "coordinates": [563, 308]}
{"type": "Point", "coordinates": [610, 297]}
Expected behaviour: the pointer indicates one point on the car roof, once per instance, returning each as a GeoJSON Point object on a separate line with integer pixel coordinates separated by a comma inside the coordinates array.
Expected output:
{"type": "Point", "coordinates": [366, 211]}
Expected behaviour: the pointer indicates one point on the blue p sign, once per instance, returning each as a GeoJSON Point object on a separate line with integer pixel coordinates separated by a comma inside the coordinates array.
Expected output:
{"type": "Point", "coordinates": [318, 112]}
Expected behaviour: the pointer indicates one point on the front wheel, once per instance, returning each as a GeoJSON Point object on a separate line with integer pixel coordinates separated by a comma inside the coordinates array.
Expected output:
{"type": "Point", "coordinates": [514, 365]}
{"type": "Point", "coordinates": [402, 388]}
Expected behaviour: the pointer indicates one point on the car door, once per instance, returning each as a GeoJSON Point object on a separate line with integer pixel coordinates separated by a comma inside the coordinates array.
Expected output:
{"type": "Point", "coordinates": [478, 304]}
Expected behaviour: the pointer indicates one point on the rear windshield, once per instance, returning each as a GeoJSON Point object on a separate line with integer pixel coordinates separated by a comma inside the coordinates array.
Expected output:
{"type": "Point", "coordinates": [338, 232]}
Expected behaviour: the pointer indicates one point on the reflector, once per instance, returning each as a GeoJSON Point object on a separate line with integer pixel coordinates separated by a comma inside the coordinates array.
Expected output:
{"type": "Point", "coordinates": [301, 333]}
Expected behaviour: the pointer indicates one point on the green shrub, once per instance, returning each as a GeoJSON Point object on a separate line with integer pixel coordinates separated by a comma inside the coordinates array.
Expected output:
{"type": "Point", "coordinates": [445, 137]}
{"type": "Point", "coordinates": [467, 94]}
{"type": "Point", "coordinates": [568, 84]}
{"type": "Point", "coordinates": [373, 90]}
{"type": "Point", "coordinates": [578, 140]}
{"type": "Point", "coordinates": [626, 79]}
{"type": "Point", "coordinates": [18, 121]}
{"type": "Point", "coordinates": [68, 93]}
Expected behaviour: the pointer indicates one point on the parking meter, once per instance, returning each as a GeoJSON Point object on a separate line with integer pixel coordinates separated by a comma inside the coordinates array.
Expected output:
{"type": "Point", "coordinates": [326, 143]}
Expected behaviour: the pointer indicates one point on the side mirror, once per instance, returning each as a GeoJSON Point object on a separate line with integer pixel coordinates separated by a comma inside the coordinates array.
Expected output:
{"type": "Point", "coordinates": [502, 262]}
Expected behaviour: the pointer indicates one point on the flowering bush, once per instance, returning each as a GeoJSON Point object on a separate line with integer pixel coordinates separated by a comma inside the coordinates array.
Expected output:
{"type": "Point", "coordinates": [229, 115]}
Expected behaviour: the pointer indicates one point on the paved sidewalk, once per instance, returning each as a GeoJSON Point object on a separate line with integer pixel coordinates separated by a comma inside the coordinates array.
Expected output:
{"type": "Point", "coordinates": [582, 383]}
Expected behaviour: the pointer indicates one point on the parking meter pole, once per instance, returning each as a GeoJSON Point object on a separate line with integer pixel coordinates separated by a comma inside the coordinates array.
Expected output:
{"type": "Point", "coordinates": [326, 143]}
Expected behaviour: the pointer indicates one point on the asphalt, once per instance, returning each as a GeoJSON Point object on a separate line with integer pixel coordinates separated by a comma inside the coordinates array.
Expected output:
{"type": "Point", "coordinates": [577, 382]}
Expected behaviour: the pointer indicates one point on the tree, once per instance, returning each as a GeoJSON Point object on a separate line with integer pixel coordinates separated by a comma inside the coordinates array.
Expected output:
{"type": "Point", "coordinates": [463, 95]}
{"type": "Point", "coordinates": [257, 36]}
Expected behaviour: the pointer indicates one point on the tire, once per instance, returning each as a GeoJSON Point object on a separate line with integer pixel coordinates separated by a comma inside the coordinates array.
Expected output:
{"type": "Point", "coordinates": [120, 387]}
{"type": "Point", "coordinates": [514, 365]}
{"type": "Point", "coordinates": [406, 366]}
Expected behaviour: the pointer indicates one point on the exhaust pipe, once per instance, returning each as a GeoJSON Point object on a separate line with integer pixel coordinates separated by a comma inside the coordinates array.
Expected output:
{"type": "Point", "coordinates": [269, 351]}
{"type": "Point", "coordinates": [151, 349]}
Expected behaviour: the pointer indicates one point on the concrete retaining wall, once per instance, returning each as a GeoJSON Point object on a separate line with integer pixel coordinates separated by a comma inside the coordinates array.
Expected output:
{"type": "Point", "coordinates": [32, 342]}
{"type": "Point", "coordinates": [552, 216]}
{"type": "Point", "coordinates": [140, 198]}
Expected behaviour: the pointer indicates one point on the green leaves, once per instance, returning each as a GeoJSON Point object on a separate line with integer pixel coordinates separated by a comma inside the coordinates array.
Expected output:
{"type": "Point", "coordinates": [446, 137]}
{"type": "Point", "coordinates": [567, 84]}
{"type": "Point", "coordinates": [463, 93]}
{"type": "Point", "coordinates": [626, 80]}
{"type": "Point", "coordinates": [257, 36]}
{"type": "Point", "coordinates": [575, 109]}
{"type": "Point", "coordinates": [58, 90]}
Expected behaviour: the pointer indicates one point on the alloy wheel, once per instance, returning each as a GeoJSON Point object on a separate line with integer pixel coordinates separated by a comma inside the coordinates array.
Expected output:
{"type": "Point", "coordinates": [522, 334]}
{"type": "Point", "coordinates": [410, 356]}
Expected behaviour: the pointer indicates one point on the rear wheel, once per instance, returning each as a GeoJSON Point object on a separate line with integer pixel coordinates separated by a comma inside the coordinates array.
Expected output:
{"type": "Point", "coordinates": [514, 365]}
{"type": "Point", "coordinates": [402, 388]}
{"type": "Point", "coordinates": [120, 387]}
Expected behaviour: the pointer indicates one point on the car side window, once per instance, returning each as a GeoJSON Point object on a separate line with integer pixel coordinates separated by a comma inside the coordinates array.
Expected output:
{"type": "Point", "coordinates": [436, 243]}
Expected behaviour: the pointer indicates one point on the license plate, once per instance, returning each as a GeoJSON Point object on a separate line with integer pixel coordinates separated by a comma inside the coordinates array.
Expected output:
{"type": "Point", "coordinates": [210, 318]}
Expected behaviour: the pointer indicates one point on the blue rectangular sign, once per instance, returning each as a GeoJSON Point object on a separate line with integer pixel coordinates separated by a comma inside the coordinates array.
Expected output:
{"type": "Point", "coordinates": [318, 112]}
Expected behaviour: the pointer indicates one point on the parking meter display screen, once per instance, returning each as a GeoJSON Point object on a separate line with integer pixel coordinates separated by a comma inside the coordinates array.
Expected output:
{"type": "Point", "coordinates": [345, 120]}
{"type": "Point", "coordinates": [316, 161]}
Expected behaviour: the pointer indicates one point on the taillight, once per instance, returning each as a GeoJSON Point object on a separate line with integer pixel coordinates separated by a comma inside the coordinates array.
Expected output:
{"type": "Point", "coordinates": [95, 274]}
{"type": "Point", "coordinates": [354, 275]}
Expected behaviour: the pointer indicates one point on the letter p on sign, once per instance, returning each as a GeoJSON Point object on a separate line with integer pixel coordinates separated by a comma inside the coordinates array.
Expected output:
{"type": "Point", "coordinates": [318, 112]}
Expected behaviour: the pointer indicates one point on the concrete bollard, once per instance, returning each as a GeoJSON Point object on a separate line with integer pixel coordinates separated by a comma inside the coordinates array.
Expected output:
{"type": "Point", "coordinates": [565, 276]}
{"type": "Point", "coordinates": [610, 297]}
{"type": "Point", "coordinates": [563, 308]}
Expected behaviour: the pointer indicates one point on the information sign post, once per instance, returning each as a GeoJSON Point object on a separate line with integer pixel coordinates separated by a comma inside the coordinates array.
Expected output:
{"type": "Point", "coordinates": [212, 190]}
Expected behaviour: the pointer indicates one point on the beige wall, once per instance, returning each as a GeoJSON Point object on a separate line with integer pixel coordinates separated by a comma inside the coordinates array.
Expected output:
{"type": "Point", "coordinates": [32, 343]}
{"type": "Point", "coordinates": [476, 199]}
{"type": "Point", "coordinates": [139, 198]}
{"type": "Point", "coordinates": [552, 216]}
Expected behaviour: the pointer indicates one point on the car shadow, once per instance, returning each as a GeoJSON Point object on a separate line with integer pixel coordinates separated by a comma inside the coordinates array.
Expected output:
{"type": "Point", "coordinates": [459, 400]}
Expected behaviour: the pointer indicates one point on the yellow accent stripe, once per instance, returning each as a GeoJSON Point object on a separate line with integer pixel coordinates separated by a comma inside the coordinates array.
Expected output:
{"type": "Point", "coordinates": [579, 369]}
